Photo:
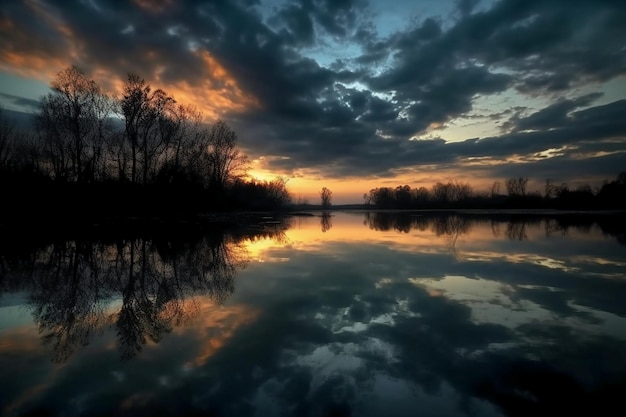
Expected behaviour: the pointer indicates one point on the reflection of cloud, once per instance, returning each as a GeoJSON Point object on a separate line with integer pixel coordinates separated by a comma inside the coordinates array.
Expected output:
{"type": "Point", "coordinates": [21, 346]}
{"type": "Point", "coordinates": [21, 339]}
{"type": "Point", "coordinates": [597, 260]}
{"type": "Point", "coordinates": [530, 258]}
{"type": "Point", "coordinates": [489, 301]}
{"type": "Point", "coordinates": [216, 325]}
{"type": "Point", "coordinates": [327, 331]}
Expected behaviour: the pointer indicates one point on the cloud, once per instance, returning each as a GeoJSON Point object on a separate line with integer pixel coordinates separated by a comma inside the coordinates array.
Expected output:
{"type": "Point", "coordinates": [20, 101]}
{"type": "Point", "coordinates": [268, 69]}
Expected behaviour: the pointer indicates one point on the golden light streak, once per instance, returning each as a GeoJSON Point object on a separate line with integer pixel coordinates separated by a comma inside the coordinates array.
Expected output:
{"type": "Point", "coordinates": [221, 322]}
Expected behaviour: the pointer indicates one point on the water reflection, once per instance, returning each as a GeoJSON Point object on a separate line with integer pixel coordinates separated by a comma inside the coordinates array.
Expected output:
{"type": "Point", "coordinates": [326, 221]}
{"type": "Point", "coordinates": [435, 315]}
{"type": "Point", "coordinates": [142, 287]}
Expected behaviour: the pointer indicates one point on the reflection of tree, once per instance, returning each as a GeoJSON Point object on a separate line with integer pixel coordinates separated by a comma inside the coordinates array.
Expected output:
{"type": "Point", "coordinates": [138, 318]}
{"type": "Point", "coordinates": [552, 226]}
{"type": "Point", "coordinates": [66, 308]}
{"type": "Point", "coordinates": [159, 292]}
{"type": "Point", "coordinates": [450, 227]}
{"type": "Point", "coordinates": [495, 228]}
{"type": "Point", "coordinates": [516, 230]}
{"type": "Point", "coordinates": [400, 222]}
{"type": "Point", "coordinates": [326, 222]}
{"type": "Point", "coordinates": [71, 285]}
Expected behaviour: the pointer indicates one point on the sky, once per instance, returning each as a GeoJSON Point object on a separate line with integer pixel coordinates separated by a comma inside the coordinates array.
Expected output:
{"type": "Point", "coordinates": [357, 94]}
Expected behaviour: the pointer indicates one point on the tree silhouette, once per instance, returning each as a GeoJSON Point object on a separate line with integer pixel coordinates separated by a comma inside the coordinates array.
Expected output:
{"type": "Point", "coordinates": [326, 195]}
{"type": "Point", "coordinates": [495, 189]}
{"type": "Point", "coordinates": [70, 120]}
{"type": "Point", "coordinates": [149, 126]}
{"type": "Point", "coordinates": [516, 187]}
{"type": "Point", "coordinates": [223, 160]}
{"type": "Point", "coordinates": [7, 141]}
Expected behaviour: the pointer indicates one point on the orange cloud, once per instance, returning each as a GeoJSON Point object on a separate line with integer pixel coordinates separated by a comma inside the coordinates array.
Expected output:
{"type": "Point", "coordinates": [25, 54]}
{"type": "Point", "coordinates": [214, 91]}
{"type": "Point", "coordinates": [154, 6]}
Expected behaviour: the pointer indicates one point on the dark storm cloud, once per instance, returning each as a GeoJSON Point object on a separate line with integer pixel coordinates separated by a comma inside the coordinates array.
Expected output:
{"type": "Point", "coordinates": [299, 24]}
{"type": "Point", "coordinates": [555, 115]}
{"type": "Point", "coordinates": [311, 115]}
{"type": "Point", "coordinates": [436, 74]}
{"type": "Point", "coordinates": [358, 150]}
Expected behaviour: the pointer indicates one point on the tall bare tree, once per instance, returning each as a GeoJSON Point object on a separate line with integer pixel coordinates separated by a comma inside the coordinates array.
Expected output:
{"type": "Point", "coordinates": [225, 161]}
{"type": "Point", "coordinates": [150, 125]}
{"type": "Point", "coordinates": [134, 105]}
{"type": "Point", "coordinates": [68, 119]}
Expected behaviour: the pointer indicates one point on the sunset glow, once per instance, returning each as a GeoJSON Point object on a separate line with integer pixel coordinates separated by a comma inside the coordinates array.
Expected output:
{"type": "Point", "coordinates": [359, 94]}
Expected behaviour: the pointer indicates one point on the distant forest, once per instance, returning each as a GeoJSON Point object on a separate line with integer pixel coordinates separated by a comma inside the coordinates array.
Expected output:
{"type": "Point", "coordinates": [93, 154]}
{"type": "Point", "coordinates": [512, 194]}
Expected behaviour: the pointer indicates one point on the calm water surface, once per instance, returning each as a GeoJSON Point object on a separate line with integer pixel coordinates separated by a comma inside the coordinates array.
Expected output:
{"type": "Point", "coordinates": [350, 314]}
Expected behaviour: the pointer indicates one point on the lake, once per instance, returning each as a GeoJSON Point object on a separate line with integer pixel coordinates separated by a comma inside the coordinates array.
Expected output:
{"type": "Point", "coordinates": [349, 314]}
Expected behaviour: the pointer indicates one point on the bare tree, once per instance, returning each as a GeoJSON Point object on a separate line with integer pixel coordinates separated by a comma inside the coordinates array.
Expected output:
{"type": "Point", "coordinates": [7, 141]}
{"type": "Point", "coordinates": [104, 106]}
{"type": "Point", "coordinates": [184, 135]}
{"type": "Point", "coordinates": [68, 119]}
{"type": "Point", "coordinates": [225, 161]}
{"type": "Point", "coordinates": [278, 193]}
{"type": "Point", "coordinates": [549, 189]}
{"type": "Point", "coordinates": [495, 189]}
{"type": "Point", "coordinates": [133, 105]}
{"type": "Point", "coordinates": [326, 196]}
{"type": "Point", "coordinates": [516, 187]}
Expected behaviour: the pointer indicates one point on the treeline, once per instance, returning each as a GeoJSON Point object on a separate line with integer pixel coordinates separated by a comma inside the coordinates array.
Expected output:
{"type": "Point", "coordinates": [140, 153]}
{"type": "Point", "coordinates": [514, 194]}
